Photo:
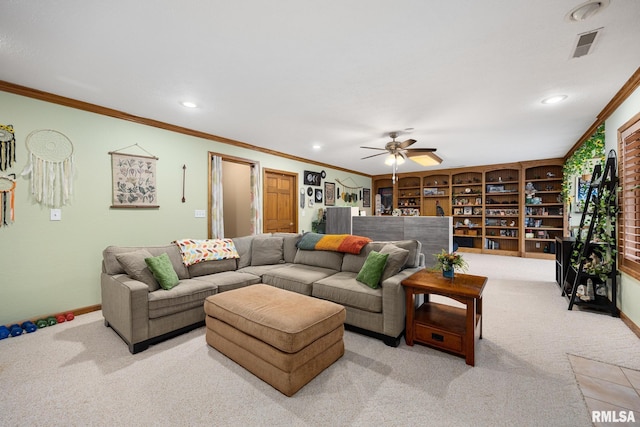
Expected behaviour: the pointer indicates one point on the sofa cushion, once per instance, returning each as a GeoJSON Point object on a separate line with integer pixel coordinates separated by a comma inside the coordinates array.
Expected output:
{"type": "Point", "coordinates": [162, 271]}
{"type": "Point", "coordinates": [323, 259]}
{"type": "Point", "coordinates": [354, 263]}
{"type": "Point", "coordinates": [267, 250]}
{"type": "Point", "coordinates": [243, 246]}
{"type": "Point", "coordinates": [211, 267]}
{"type": "Point", "coordinates": [395, 262]}
{"type": "Point", "coordinates": [111, 265]}
{"type": "Point", "coordinates": [289, 245]}
{"type": "Point", "coordinates": [135, 266]}
{"type": "Point", "coordinates": [343, 288]}
{"type": "Point", "coordinates": [296, 278]}
{"type": "Point", "coordinates": [187, 294]}
{"type": "Point", "coordinates": [415, 251]}
{"type": "Point", "coordinates": [228, 280]}
{"type": "Point", "coordinates": [260, 270]}
{"type": "Point", "coordinates": [371, 272]}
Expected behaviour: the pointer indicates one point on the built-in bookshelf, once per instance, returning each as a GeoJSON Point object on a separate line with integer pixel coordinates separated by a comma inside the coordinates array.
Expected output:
{"type": "Point", "coordinates": [502, 211]}
{"type": "Point", "coordinates": [509, 209]}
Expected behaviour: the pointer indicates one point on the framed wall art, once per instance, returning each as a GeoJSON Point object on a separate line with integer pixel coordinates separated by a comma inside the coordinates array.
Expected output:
{"type": "Point", "coordinates": [581, 187]}
{"type": "Point", "coordinates": [366, 197]}
{"type": "Point", "coordinates": [134, 181]}
{"type": "Point", "coordinates": [312, 178]}
{"type": "Point", "coordinates": [329, 194]}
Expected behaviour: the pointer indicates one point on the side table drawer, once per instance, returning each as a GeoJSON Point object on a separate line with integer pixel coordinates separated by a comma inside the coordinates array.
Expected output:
{"type": "Point", "coordinates": [438, 338]}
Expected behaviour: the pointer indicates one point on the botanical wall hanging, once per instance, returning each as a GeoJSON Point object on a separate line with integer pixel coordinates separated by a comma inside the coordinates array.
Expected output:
{"type": "Point", "coordinates": [133, 180]}
{"type": "Point", "coordinates": [7, 147]}
{"type": "Point", "coordinates": [50, 167]}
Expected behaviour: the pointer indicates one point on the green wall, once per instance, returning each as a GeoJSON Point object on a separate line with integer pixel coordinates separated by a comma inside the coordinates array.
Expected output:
{"type": "Point", "coordinates": [629, 290]}
{"type": "Point", "coordinates": [49, 266]}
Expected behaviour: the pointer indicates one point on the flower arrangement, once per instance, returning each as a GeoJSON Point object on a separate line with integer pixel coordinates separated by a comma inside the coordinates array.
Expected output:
{"type": "Point", "coordinates": [450, 260]}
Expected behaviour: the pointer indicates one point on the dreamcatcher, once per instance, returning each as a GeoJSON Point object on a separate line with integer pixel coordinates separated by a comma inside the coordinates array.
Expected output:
{"type": "Point", "coordinates": [7, 199]}
{"type": "Point", "coordinates": [7, 147]}
{"type": "Point", "coordinates": [50, 166]}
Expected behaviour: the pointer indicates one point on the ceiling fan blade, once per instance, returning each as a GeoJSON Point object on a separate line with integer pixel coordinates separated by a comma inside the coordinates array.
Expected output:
{"type": "Point", "coordinates": [374, 148]}
{"type": "Point", "coordinates": [417, 151]}
{"type": "Point", "coordinates": [374, 155]}
{"type": "Point", "coordinates": [406, 143]}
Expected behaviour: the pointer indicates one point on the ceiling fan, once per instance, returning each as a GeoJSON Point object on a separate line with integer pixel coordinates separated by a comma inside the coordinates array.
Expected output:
{"type": "Point", "coordinates": [397, 152]}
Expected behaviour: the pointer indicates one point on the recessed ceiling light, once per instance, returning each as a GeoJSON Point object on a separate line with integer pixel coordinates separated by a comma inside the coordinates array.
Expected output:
{"type": "Point", "coordinates": [189, 104]}
{"type": "Point", "coordinates": [554, 99]}
{"type": "Point", "coordinates": [587, 10]}
{"type": "Point", "coordinates": [316, 146]}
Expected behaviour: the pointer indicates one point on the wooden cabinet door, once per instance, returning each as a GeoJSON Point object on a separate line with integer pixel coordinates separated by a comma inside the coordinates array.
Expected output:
{"type": "Point", "coordinates": [280, 213]}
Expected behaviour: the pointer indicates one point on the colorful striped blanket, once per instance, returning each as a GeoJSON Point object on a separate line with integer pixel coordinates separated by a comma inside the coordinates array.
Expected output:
{"type": "Point", "coordinates": [333, 242]}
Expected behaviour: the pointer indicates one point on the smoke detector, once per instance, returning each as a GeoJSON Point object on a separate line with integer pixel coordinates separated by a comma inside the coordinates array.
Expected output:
{"type": "Point", "coordinates": [586, 10]}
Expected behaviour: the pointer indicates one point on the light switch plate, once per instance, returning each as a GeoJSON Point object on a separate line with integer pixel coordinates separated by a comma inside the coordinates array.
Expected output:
{"type": "Point", "coordinates": [56, 214]}
{"type": "Point", "coordinates": [201, 213]}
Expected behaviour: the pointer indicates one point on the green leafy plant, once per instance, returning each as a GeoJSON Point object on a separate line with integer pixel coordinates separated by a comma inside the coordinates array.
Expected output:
{"type": "Point", "coordinates": [448, 260]}
{"type": "Point", "coordinates": [603, 243]}
{"type": "Point", "coordinates": [583, 160]}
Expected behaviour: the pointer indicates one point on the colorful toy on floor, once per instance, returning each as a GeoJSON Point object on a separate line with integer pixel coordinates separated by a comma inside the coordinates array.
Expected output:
{"type": "Point", "coordinates": [16, 330]}
{"type": "Point", "coordinates": [69, 315]}
{"type": "Point", "coordinates": [41, 323]}
{"type": "Point", "coordinates": [60, 318]}
{"type": "Point", "coordinates": [51, 321]}
{"type": "Point", "coordinates": [29, 326]}
{"type": "Point", "coordinates": [4, 332]}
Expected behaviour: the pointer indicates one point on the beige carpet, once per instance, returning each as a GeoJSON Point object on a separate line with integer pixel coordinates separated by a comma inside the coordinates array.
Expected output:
{"type": "Point", "coordinates": [81, 373]}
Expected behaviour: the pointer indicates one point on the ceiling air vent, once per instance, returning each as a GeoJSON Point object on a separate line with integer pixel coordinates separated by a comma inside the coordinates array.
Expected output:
{"type": "Point", "coordinates": [585, 43]}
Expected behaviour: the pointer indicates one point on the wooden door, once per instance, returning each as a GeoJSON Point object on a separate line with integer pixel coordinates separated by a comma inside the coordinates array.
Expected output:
{"type": "Point", "coordinates": [280, 212]}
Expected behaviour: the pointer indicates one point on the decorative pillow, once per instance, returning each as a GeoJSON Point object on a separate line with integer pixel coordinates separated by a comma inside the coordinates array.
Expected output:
{"type": "Point", "coordinates": [134, 265]}
{"type": "Point", "coordinates": [371, 272]}
{"type": "Point", "coordinates": [267, 251]}
{"type": "Point", "coordinates": [396, 261]}
{"type": "Point", "coordinates": [163, 271]}
{"type": "Point", "coordinates": [194, 251]}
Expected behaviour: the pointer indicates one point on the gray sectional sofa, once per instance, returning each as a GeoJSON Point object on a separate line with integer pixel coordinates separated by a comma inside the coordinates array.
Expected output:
{"type": "Point", "coordinates": [142, 313]}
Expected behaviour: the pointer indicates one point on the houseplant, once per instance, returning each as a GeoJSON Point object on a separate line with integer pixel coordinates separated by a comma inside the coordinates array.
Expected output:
{"type": "Point", "coordinates": [448, 262]}
{"type": "Point", "coordinates": [582, 161]}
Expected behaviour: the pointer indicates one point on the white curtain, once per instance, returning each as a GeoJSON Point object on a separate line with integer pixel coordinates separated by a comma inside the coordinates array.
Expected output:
{"type": "Point", "coordinates": [217, 221]}
{"type": "Point", "coordinates": [256, 200]}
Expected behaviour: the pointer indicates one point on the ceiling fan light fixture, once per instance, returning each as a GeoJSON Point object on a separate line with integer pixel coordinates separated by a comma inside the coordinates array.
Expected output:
{"type": "Point", "coordinates": [394, 159]}
{"type": "Point", "coordinates": [427, 159]}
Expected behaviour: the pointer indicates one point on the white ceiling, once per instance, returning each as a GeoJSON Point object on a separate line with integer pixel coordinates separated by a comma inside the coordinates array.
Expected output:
{"type": "Point", "coordinates": [467, 75]}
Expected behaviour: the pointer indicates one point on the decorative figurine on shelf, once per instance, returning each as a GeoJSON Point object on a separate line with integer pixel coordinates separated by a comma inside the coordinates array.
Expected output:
{"type": "Point", "coordinates": [529, 189]}
{"type": "Point", "coordinates": [439, 210]}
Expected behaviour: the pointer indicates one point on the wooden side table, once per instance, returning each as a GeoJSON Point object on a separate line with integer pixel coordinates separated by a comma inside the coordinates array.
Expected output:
{"type": "Point", "coordinates": [443, 326]}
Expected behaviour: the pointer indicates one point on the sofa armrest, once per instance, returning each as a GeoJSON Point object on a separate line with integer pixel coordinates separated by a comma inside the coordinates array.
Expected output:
{"type": "Point", "coordinates": [125, 306]}
{"type": "Point", "coordinates": [394, 303]}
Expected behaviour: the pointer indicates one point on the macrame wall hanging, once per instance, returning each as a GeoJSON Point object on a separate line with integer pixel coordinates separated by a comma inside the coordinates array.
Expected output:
{"type": "Point", "coordinates": [7, 147]}
{"type": "Point", "coordinates": [7, 199]}
{"type": "Point", "coordinates": [50, 166]}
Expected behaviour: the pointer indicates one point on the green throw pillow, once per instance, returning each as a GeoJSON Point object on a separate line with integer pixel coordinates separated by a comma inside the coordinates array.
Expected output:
{"type": "Point", "coordinates": [371, 272]}
{"type": "Point", "coordinates": [163, 271]}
